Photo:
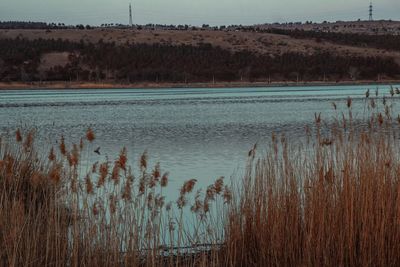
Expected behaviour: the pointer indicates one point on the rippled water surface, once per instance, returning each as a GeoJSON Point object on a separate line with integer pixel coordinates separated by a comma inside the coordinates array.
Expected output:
{"type": "Point", "coordinates": [194, 133]}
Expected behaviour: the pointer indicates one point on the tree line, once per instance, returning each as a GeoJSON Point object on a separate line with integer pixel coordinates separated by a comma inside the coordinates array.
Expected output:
{"type": "Point", "coordinates": [20, 60]}
{"type": "Point", "coordinates": [30, 25]}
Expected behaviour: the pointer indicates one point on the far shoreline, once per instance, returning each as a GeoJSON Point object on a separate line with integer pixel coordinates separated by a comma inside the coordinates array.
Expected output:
{"type": "Point", "coordinates": [144, 85]}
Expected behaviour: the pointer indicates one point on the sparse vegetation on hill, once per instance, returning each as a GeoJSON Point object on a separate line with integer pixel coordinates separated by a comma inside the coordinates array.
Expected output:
{"type": "Point", "coordinates": [21, 59]}
{"type": "Point", "coordinates": [387, 41]}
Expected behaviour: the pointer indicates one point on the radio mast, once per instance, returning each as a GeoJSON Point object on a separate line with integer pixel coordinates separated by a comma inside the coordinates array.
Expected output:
{"type": "Point", "coordinates": [370, 11]}
{"type": "Point", "coordinates": [130, 15]}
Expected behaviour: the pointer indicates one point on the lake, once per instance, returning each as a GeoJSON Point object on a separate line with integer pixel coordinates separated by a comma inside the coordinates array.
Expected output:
{"type": "Point", "coordinates": [193, 133]}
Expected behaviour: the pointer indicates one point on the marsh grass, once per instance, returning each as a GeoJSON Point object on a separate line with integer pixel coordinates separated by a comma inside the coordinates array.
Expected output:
{"type": "Point", "coordinates": [332, 202]}
{"type": "Point", "coordinates": [58, 212]}
{"type": "Point", "coordinates": [332, 199]}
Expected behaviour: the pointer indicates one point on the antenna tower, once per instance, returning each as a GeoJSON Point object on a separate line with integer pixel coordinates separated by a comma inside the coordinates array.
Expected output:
{"type": "Point", "coordinates": [130, 15]}
{"type": "Point", "coordinates": [370, 11]}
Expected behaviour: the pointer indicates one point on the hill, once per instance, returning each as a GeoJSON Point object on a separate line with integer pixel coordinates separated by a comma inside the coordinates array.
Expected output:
{"type": "Point", "coordinates": [258, 53]}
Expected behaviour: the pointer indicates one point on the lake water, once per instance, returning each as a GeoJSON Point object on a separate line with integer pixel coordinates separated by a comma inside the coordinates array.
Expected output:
{"type": "Point", "coordinates": [193, 133]}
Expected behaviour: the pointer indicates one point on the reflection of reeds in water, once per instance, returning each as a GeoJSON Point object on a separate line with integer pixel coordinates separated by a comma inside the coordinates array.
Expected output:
{"type": "Point", "coordinates": [335, 201]}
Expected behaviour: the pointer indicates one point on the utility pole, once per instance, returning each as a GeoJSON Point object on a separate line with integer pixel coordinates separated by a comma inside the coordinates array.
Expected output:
{"type": "Point", "coordinates": [130, 15]}
{"type": "Point", "coordinates": [370, 11]}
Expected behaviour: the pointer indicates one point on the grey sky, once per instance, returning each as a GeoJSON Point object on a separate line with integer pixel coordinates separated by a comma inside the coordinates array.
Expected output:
{"type": "Point", "coordinates": [194, 12]}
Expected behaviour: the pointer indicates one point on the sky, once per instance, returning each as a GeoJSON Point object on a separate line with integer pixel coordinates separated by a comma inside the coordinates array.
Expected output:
{"type": "Point", "coordinates": [194, 12]}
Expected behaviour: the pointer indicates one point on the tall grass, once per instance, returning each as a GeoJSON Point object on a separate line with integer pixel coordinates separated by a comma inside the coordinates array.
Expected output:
{"type": "Point", "coordinates": [332, 199]}
{"type": "Point", "coordinates": [57, 212]}
{"type": "Point", "coordinates": [333, 202]}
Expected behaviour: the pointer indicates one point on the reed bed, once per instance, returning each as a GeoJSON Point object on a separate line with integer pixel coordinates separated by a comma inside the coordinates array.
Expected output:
{"type": "Point", "coordinates": [332, 199]}
{"type": "Point", "coordinates": [57, 212]}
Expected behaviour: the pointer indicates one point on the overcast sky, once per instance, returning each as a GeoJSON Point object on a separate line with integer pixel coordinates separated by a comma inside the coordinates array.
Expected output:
{"type": "Point", "coordinates": [194, 12]}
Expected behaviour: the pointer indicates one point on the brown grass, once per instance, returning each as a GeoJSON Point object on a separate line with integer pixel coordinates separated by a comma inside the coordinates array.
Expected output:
{"type": "Point", "coordinates": [332, 200]}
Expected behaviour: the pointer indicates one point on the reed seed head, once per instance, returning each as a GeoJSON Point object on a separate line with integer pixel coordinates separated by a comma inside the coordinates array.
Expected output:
{"type": "Point", "coordinates": [89, 185]}
{"type": "Point", "coordinates": [164, 178]}
{"type": "Point", "coordinates": [142, 186]}
{"type": "Point", "coordinates": [143, 161]}
{"type": "Point", "coordinates": [90, 135]}
{"type": "Point", "coordinates": [63, 149]}
{"type": "Point", "coordinates": [115, 173]}
{"type": "Point", "coordinates": [18, 135]}
{"type": "Point", "coordinates": [218, 185]}
{"type": "Point", "coordinates": [188, 186]}
{"type": "Point", "coordinates": [157, 171]}
{"type": "Point", "coordinates": [123, 159]}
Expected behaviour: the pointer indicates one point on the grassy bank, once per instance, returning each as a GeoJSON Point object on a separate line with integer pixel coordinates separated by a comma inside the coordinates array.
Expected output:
{"type": "Point", "coordinates": [330, 200]}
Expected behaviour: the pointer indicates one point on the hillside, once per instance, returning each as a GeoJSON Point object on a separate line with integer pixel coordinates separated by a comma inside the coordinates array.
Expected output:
{"type": "Point", "coordinates": [257, 42]}
{"type": "Point", "coordinates": [252, 53]}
